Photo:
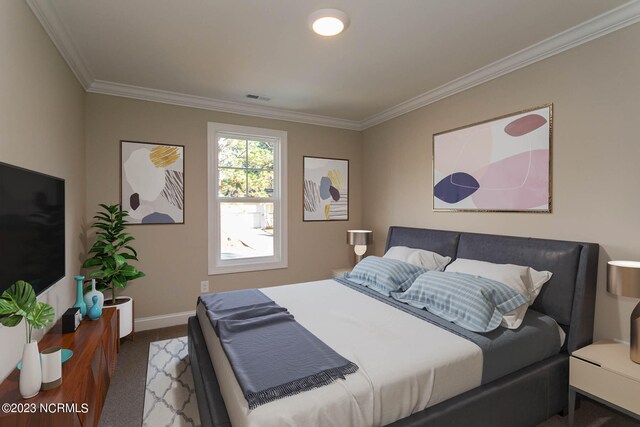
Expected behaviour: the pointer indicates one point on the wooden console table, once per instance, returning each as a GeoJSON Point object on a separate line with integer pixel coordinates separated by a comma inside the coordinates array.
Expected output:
{"type": "Point", "coordinates": [85, 378]}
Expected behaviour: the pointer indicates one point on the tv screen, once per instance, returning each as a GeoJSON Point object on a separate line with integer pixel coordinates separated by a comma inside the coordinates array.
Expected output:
{"type": "Point", "coordinates": [31, 228]}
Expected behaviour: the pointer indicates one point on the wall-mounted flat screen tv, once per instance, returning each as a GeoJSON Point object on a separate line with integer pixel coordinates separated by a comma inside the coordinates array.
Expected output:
{"type": "Point", "coordinates": [32, 238]}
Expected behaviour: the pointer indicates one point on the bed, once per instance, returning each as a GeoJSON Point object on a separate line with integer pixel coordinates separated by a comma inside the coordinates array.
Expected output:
{"type": "Point", "coordinates": [521, 395]}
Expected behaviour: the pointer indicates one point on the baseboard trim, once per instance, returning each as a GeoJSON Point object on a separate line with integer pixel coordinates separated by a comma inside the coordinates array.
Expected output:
{"type": "Point", "coordinates": [162, 321]}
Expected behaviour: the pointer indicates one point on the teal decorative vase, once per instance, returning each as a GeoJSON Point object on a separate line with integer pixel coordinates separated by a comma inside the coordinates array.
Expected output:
{"type": "Point", "coordinates": [79, 300]}
{"type": "Point", "coordinates": [95, 311]}
{"type": "Point", "coordinates": [88, 297]}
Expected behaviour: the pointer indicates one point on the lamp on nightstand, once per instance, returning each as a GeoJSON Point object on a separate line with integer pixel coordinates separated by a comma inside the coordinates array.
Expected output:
{"type": "Point", "coordinates": [359, 239]}
{"type": "Point", "coordinates": [623, 278]}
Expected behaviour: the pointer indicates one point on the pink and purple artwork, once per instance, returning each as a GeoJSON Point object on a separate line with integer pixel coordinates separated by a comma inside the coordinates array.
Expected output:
{"type": "Point", "coordinates": [501, 164]}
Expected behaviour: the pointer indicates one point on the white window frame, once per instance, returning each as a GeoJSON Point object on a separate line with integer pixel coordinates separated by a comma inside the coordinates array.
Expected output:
{"type": "Point", "coordinates": [279, 200]}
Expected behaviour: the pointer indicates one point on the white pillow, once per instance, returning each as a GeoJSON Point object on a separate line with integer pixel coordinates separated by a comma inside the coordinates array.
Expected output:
{"type": "Point", "coordinates": [520, 278]}
{"type": "Point", "coordinates": [420, 257]}
{"type": "Point", "coordinates": [513, 319]}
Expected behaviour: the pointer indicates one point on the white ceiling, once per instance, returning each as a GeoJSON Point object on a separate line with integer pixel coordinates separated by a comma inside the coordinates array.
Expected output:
{"type": "Point", "coordinates": [393, 50]}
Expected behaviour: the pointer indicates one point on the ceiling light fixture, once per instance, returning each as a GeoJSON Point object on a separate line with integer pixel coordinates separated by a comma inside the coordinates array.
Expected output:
{"type": "Point", "coordinates": [328, 22]}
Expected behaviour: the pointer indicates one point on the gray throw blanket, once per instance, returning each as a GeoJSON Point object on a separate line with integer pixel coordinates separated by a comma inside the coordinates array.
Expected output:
{"type": "Point", "coordinates": [271, 354]}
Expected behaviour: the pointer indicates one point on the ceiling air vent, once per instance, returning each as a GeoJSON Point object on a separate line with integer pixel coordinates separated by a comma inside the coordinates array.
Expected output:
{"type": "Point", "coordinates": [258, 97]}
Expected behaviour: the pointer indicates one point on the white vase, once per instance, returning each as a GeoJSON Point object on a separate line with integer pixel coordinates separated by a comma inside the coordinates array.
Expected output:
{"type": "Point", "coordinates": [88, 297]}
{"type": "Point", "coordinates": [31, 371]}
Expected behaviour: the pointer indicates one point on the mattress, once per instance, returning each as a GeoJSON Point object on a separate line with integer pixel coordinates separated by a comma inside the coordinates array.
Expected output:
{"type": "Point", "coordinates": [406, 364]}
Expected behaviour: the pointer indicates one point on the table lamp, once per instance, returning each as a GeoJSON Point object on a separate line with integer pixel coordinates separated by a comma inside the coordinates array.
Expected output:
{"type": "Point", "coordinates": [623, 278]}
{"type": "Point", "coordinates": [359, 239]}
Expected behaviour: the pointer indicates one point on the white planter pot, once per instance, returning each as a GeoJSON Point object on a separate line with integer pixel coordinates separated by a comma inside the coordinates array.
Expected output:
{"type": "Point", "coordinates": [124, 305]}
{"type": "Point", "coordinates": [31, 371]}
{"type": "Point", "coordinates": [51, 361]}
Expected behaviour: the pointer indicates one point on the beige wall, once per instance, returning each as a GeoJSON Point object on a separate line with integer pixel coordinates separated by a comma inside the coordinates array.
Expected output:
{"type": "Point", "coordinates": [41, 128]}
{"type": "Point", "coordinates": [174, 257]}
{"type": "Point", "coordinates": [595, 89]}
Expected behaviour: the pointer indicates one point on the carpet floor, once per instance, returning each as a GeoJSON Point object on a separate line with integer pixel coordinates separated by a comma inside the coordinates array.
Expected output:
{"type": "Point", "coordinates": [593, 414]}
{"type": "Point", "coordinates": [125, 400]}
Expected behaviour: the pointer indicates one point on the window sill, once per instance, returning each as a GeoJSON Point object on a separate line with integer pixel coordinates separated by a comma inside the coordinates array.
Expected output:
{"type": "Point", "coordinates": [244, 268]}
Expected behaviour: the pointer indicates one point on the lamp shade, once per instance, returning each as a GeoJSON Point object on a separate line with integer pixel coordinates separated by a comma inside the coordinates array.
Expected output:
{"type": "Point", "coordinates": [623, 278]}
{"type": "Point", "coordinates": [360, 237]}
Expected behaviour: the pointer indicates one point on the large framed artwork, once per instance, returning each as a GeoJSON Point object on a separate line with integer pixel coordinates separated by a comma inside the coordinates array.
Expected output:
{"type": "Point", "coordinates": [152, 182]}
{"type": "Point", "coordinates": [498, 165]}
{"type": "Point", "coordinates": [326, 189]}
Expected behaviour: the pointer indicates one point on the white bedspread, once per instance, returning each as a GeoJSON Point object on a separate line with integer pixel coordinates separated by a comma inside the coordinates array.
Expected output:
{"type": "Point", "coordinates": [406, 364]}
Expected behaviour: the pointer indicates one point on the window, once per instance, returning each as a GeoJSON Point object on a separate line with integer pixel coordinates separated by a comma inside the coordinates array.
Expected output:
{"type": "Point", "coordinates": [247, 199]}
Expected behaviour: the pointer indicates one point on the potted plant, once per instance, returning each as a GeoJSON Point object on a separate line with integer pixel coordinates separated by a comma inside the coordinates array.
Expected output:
{"type": "Point", "coordinates": [109, 258]}
{"type": "Point", "coordinates": [17, 303]}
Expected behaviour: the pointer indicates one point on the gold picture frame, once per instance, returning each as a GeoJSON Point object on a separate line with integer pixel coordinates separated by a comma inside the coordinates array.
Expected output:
{"type": "Point", "coordinates": [464, 176]}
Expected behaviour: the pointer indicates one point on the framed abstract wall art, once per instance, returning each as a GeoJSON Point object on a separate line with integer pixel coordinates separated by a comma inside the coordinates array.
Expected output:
{"type": "Point", "coordinates": [326, 189]}
{"type": "Point", "coordinates": [152, 182]}
{"type": "Point", "coordinates": [499, 165]}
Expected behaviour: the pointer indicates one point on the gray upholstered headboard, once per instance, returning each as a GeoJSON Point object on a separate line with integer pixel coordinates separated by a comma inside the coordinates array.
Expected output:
{"type": "Point", "coordinates": [569, 297]}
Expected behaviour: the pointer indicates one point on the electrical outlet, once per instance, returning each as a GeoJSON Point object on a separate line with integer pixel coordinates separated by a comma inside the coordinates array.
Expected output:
{"type": "Point", "coordinates": [204, 286]}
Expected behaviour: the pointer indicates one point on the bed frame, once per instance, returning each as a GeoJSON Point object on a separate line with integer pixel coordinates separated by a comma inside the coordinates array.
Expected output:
{"type": "Point", "coordinates": [523, 398]}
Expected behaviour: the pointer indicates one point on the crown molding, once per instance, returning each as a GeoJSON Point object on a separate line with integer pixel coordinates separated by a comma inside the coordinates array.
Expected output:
{"type": "Point", "coordinates": [608, 22]}
{"type": "Point", "coordinates": [176, 98]}
{"type": "Point", "coordinates": [59, 35]}
{"type": "Point", "coordinates": [613, 20]}
{"type": "Point", "coordinates": [45, 13]}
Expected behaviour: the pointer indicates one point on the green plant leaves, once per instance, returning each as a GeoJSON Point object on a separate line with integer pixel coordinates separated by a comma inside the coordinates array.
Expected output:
{"type": "Point", "coordinates": [91, 262]}
{"type": "Point", "coordinates": [138, 275]}
{"type": "Point", "coordinates": [133, 251]}
{"type": "Point", "coordinates": [8, 315]}
{"type": "Point", "coordinates": [119, 259]}
{"type": "Point", "coordinates": [22, 294]}
{"type": "Point", "coordinates": [111, 251]}
{"type": "Point", "coordinates": [101, 226]}
{"type": "Point", "coordinates": [117, 281]}
{"type": "Point", "coordinates": [18, 302]}
{"type": "Point", "coordinates": [41, 315]}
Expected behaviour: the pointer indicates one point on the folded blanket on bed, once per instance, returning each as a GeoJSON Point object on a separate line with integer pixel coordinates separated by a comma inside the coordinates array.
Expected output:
{"type": "Point", "coordinates": [272, 355]}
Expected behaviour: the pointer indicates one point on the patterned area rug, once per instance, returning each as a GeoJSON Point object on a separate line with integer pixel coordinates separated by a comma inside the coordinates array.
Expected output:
{"type": "Point", "coordinates": [170, 398]}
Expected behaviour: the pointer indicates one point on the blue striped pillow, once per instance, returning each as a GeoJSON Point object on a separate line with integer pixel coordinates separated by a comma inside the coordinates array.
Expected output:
{"type": "Point", "coordinates": [384, 275]}
{"type": "Point", "coordinates": [473, 302]}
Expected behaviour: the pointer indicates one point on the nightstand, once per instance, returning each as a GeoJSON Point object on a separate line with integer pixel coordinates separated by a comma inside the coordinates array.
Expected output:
{"type": "Point", "coordinates": [339, 272]}
{"type": "Point", "coordinates": [604, 372]}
